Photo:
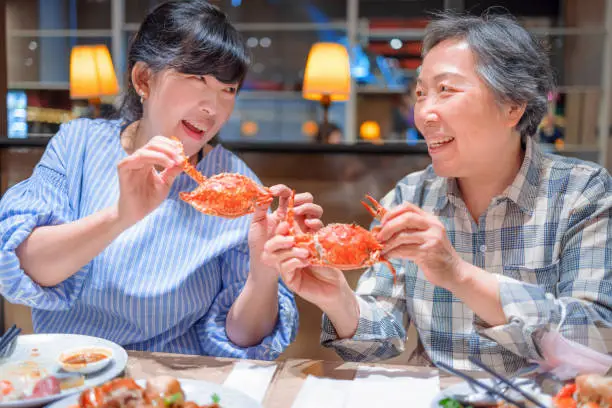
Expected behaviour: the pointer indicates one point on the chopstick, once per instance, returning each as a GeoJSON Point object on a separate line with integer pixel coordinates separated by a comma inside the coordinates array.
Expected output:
{"type": "Point", "coordinates": [478, 383]}
{"type": "Point", "coordinates": [7, 333]}
{"type": "Point", "coordinates": [505, 381]}
{"type": "Point", "coordinates": [8, 338]}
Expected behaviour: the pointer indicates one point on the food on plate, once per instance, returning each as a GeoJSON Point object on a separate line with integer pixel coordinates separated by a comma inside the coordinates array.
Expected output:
{"type": "Point", "coordinates": [85, 357]}
{"type": "Point", "coordinates": [70, 380]}
{"type": "Point", "coordinates": [117, 393]}
{"type": "Point", "coordinates": [164, 386]}
{"type": "Point", "coordinates": [20, 389]}
{"type": "Point", "coordinates": [453, 403]}
{"type": "Point", "coordinates": [588, 391]}
{"type": "Point", "coordinates": [6, 387]}
{"type": "Point", "coordinates": [85, 360]}
{"type": "Point", "coordinates": [26, 380]}
{"type": "Point", "coordinates": [159, 392]}
{"type": "Point", "coordinates": [46, 386]}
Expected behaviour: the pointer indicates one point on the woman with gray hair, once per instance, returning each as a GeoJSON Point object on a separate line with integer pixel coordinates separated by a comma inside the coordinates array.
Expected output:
{"type": "Point", "coordinates": [496, 242]}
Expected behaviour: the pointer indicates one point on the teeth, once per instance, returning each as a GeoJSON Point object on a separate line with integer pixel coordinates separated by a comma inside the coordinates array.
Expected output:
{"type": "Point", "coordinates": [196, 126]}
{"type": "Point", "coordinates": [441, 142]}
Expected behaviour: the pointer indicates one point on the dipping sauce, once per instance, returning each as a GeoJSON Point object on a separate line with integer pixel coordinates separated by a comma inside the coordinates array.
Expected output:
{"type": "Point", "coordinates": [84, 357]}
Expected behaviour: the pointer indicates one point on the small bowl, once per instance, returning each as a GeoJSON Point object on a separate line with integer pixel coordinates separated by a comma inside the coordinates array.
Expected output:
{"type": "Point", "coordinates": [79, 360]}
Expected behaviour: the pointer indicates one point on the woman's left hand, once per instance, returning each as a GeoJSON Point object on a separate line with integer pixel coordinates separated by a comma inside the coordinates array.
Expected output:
{"type": "Point", "coordinates": [408, 232]}
{"type": "Point", "coordinates": [307, 219]}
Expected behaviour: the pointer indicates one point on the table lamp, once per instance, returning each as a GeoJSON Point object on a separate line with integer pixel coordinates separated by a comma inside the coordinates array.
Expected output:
{"type": "Point", "coordinates": [327, 76]}
{"type": "Point", "coordinates": [92, 74]}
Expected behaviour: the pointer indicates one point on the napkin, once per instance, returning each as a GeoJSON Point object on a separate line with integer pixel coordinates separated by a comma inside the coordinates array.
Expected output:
{"type": "Point", "coordinates": [390, 387]}
{"type": "Point", "coordinates": [251, 379]}
{"type": "Point", "coordinates": [372, 387]}
{"type": "Point", "coordinates": [322, 393]}
{"type": "Point", "coordinates": [566, 358]}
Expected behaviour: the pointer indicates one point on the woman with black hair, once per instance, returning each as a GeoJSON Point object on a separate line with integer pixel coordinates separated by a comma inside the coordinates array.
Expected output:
{"type": "Point", "coordinates": [97, 241]}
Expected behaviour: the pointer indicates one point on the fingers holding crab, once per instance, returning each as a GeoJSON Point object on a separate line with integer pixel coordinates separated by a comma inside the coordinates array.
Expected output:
{"type": "Point", "coordinates": [281, 252]}
{"type": "Point", "coordinates": [340, 246]}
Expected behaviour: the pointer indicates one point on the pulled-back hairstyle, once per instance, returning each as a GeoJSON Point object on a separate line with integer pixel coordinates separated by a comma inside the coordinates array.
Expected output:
{"type": "Point", "coordinates": [192, 37]}
{"type": "Point", "coordinates": [508, 59]}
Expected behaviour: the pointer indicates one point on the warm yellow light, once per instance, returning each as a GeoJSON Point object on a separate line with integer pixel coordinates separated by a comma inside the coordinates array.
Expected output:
{"type": "Point", "coordinates": [92, 74]}
{"type": "Point", "coordinates": [370, 130]}
{"type": "Point", "coordinates": [310, 128]}
{"type": "Point", "coordinates": [249, 128]}
{"type": "Point", "coordinates": [327, 73]}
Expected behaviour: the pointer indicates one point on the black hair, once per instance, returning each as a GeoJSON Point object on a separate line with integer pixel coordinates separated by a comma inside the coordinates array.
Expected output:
{"type": "Point", "coordinates": [191, 37]}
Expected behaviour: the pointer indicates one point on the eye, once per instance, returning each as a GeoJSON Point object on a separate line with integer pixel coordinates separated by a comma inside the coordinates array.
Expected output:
{"type": "Point", "coordinates": [202, 78]}
{"type": "Point", "coordinates": [419, 93]}
{"type": "Point", "coordinates": [231, 90]}
{"type": "Point", "coordinates": [445, 88]}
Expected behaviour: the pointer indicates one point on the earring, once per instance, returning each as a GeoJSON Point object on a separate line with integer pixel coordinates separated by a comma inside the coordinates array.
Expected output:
{"type": "Point", "coordinates": [141, 93]}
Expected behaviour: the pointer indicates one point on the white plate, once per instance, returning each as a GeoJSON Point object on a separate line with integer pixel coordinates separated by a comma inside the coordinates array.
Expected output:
{"type": "Point", "coordinates": [49, 347]}
{"type": "Point", "coordinates": [197, 391]}
{"type": "Point", "coordinates": [465, 388]}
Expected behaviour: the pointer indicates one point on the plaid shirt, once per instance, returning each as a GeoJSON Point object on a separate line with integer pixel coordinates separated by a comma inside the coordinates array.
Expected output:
{"type": "Point", "coordinates": [547, 239]}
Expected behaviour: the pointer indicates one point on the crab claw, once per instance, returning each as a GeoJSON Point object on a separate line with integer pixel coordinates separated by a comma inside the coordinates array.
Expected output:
{"type": "Point", "coordinates": [374, 207]}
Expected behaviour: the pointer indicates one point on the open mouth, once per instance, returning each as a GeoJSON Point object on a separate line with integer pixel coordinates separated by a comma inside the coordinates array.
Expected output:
{"type": "Point", "coordinates": [194, 130]}
{"type": "Point", "coordinates": [440, 143]}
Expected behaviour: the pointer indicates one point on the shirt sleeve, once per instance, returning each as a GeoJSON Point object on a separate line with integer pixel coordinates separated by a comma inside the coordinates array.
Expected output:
{"type": "Point", "coordinates": [583, 292]}
{"type": "Point", "coordinates": [211, 329]}
{"type": "Point", "coordinates": [383, 316]}
{"type": "Point", "coordinates": [40, 200]}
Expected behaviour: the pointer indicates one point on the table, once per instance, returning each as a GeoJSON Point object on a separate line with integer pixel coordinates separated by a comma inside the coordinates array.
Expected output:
{"type": "Point", "coordinates": [285, 384]}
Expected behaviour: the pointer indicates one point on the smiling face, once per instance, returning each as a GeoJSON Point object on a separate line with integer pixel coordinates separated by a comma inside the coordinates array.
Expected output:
{"type": "Point", "coordinates": [465, 128]}
{"type": "Point", "coordinates": [190, 107]}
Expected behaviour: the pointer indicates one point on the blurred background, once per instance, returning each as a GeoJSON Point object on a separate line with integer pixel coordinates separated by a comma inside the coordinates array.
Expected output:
{"type": "Point", "coordinates": [283, 126]}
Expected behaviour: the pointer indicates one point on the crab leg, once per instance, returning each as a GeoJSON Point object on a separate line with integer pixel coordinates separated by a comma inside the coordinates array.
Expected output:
{"type": "Point", "coordinates": [188, 167]}
{"type": "Point", "coordinates": [265, 196]}
{"type": "Point", "coordinates": [290, 213]}
{"type": "Point", "coordinates": [193, 172]}
{"type": "Point", "coordinates": [374, 207]}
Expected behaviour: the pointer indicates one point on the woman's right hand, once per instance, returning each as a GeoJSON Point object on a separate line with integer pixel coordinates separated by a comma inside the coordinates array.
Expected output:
{"type": "Point", "coordinates": [141, 187]}
{"type": "Point", "coordinates": [319, 285]}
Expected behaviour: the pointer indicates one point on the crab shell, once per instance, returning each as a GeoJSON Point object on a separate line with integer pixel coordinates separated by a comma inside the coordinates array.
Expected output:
{"type": "Point", "coordinates": [228, 195]}
{"type": "Point", "coordinates": [96, 397]}
{"type": "Point", "coordinates": [343, 246]}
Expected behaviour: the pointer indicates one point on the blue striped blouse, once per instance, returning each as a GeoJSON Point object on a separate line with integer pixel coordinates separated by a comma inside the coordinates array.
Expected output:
{"type": "Point", "coordinates": [165, 284]}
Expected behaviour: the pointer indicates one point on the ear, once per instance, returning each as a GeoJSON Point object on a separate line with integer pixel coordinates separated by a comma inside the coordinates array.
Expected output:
{"type": "Point", "coordinates": [514, 113]}
{"type": "Point", "coordinates": [141, 78]}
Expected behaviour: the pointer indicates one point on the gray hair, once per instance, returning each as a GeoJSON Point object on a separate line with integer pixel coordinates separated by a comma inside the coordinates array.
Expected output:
{"type": "Point", "coordinates": [508, 59]}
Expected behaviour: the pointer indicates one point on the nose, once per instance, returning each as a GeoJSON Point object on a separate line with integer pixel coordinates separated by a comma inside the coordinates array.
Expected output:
{"type": "Point", "coordinates": [209, 104]}
{"type": "Point", "coordinates": [426, 111]}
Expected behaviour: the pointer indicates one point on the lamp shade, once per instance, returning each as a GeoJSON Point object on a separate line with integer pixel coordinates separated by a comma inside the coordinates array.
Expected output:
{"type": "Point", "coordinates": [92, 74]}
{"type": "Point", "coordinates": [327, 73]}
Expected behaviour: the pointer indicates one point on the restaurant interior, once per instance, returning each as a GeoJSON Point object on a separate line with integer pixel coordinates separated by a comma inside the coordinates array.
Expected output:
{"type": "Point", "coordinates": [337, 135]}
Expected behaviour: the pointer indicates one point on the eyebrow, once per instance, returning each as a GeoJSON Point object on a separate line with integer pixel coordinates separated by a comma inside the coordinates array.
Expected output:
{"type": "Point", "coordinates": [443, 75]}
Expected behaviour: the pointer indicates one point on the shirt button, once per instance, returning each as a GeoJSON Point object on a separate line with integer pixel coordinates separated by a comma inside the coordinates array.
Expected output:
{"type": "Point", "coordinates": [483, 248]}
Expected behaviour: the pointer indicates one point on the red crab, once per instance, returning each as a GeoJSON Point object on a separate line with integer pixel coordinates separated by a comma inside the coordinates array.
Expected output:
{"type": "Point", "coordinates": [126, 388]}
{"type": "Point", "coordinates": [342, 246]}
{"type": "Point", "coordinates": [229, 195]}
